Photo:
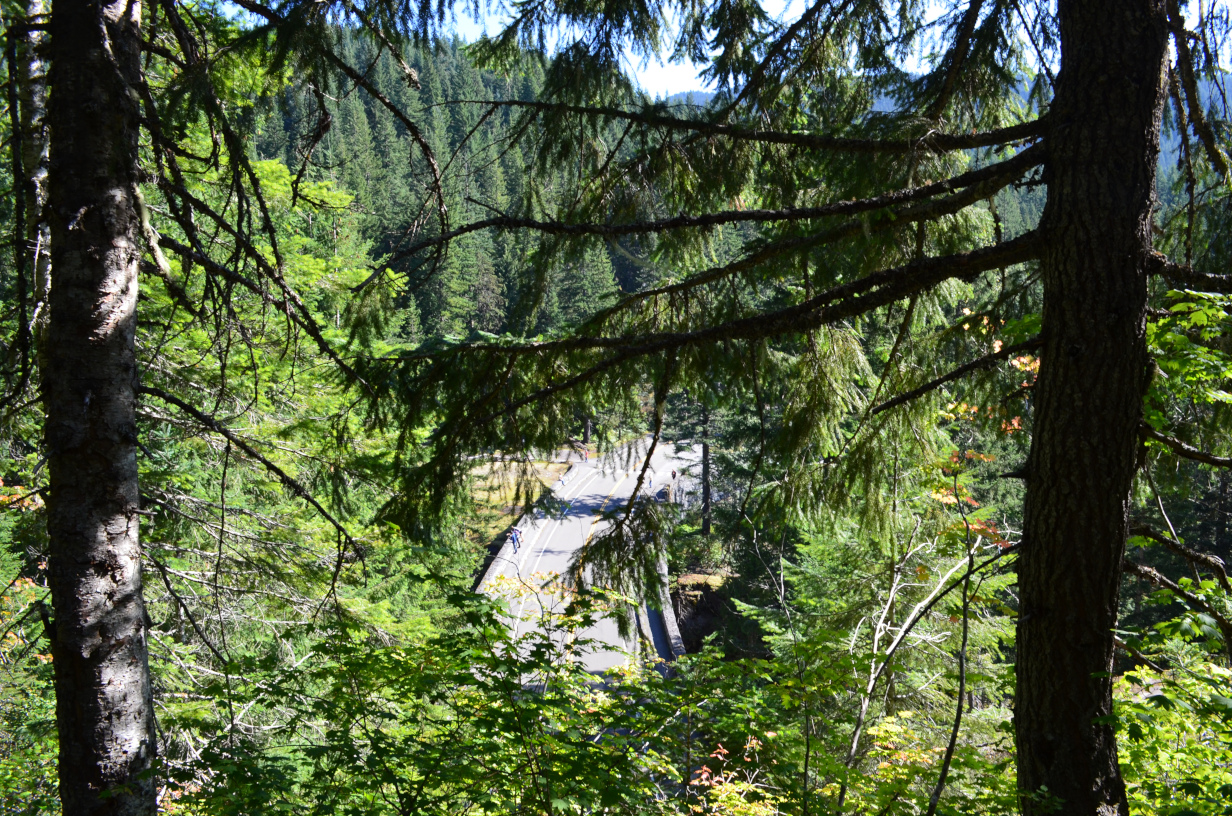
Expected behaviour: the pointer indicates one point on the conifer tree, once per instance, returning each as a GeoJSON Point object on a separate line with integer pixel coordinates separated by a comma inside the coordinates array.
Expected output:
{"type": "Point", "coordinates": [102, 105]}
{"type": "Point", "coordinates": [104, 713]}
{"type": "Point", "coordinates": [761, 231]}
{"type": "Point", "coordinates": [585, 285]}
{"type": "Point", "coordinates": [861, 207]}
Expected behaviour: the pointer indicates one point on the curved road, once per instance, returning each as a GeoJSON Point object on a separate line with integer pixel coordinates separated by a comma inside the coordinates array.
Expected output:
{"type": "Point", "coordinates": [548, 545]}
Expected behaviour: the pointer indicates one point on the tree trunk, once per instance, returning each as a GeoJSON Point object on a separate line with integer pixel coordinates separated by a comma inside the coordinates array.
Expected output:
{"type": "Point", "coordinates": [1220, 526]}
{"type": "Point", "coordinates": [1103, 142]}
{"type": "Point", "coordinates": [586, 432]}
{"type": "Point", "coordinates": [32, 91]}
{"type": "Point", "coordinates": [103, 708]}
{"type": "Point", "coordinates": [705, 472]}
{"type": "Point", "coordinates": [26, 96]}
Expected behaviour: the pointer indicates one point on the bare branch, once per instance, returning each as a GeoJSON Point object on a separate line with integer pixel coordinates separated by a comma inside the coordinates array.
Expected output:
{"type": "Point", "coordinates": [1193, 100]}
{"type": "Point", "coordinates": [362, 81]}
{"type": "Point", "coordinates": [287, 480]}
{"type": "Point", "coordinates": [1184, 450]}
{"type": "Point", "coordinates": [1137, 655]}
{"type": "Point", "coordinates": [408, 73]}
{"type": "Point", "coordinates": [1159, 579]}
{"type": "Point", "coordinates": [295, 309]}
{"type": "Point", "coordinates": [162, 571]}
{"type": "Point", "coordinates": [1213, 563]}
{"type": "Point", "coordinates": [19, 237]}
{"type": "Point", "coordinates": [1188, 277]}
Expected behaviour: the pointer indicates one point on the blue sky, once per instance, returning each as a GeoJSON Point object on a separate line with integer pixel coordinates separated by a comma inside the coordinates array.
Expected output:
{"type": "Point", "coordinates": [656, 78]}
{"type": "Point", "coordinates": [663, 79]}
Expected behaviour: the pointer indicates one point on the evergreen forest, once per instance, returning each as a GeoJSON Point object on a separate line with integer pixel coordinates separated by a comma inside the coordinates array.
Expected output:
{"type": "Point", "coordinates": [317, 318]}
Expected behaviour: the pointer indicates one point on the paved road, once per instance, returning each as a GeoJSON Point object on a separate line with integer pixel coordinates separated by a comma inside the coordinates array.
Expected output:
{"type": "Point", "coordinates": [549, 544]}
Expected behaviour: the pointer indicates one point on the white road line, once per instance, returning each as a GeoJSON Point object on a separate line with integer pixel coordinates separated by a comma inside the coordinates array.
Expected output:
{"type": "Point", "coordinates": [590, 533]}
{"type": "Point", "coordinates": [538, 533]}
{"type": "Point", "coordinates": [555, 526]}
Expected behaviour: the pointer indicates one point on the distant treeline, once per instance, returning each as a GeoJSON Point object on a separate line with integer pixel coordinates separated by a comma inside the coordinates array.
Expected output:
{"type": "Point", "coordinates": [364, 149]}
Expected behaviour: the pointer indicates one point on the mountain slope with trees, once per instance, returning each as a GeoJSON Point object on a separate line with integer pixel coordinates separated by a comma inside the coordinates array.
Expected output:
{"type": "Point", "coordinates": [315, 277]}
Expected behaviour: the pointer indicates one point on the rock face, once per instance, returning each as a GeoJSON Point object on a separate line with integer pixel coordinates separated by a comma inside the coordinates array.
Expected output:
{"type": "Point", "coordinates": [695, 597]}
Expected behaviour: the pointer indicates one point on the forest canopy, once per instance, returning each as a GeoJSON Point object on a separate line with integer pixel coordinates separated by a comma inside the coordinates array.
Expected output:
{"type": "Point", "coordinates": [310, 309]}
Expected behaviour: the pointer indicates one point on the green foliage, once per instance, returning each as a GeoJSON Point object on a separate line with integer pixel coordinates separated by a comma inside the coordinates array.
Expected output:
{"type": "Point", "coordinates": [1179, 732]}
{"type": "Point", "coordinates": [471, 718]}
{"type": "Point", "coordinates": [1176, 723]}
{"type": "Point", "coordinates": [369, 301]}
{"type": "Point", "coordinates": [28, 744]}
{"type": "Point", "coordinates": [1192, 367]}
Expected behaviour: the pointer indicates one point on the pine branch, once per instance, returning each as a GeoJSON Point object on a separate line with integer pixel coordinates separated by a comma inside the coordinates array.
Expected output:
{"type": "Point", "coordinates": [836, 304]}
{"type": "Point", "coordinates": [926, 605]}
{"type": "Point", "coordinates": [780, 45]}
{"type": "Point", "coordinates": [988, 184]}
{"type": "Point", "coordinates": [1004, 171]}
{"type": "Point", "coordinates": [896, 218]}
{"type": "Point", "coordinates": [954, 59]}
{"type": "Point", "coordinates": [931, 142]}
{"type": "Point", "coordinates": [325, 121]}
{"type": "Point", "coordinates": [987, 361]}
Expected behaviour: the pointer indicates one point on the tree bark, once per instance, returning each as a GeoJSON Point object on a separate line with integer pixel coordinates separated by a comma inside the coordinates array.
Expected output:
{"type": "Point", "coordinates": [706, 510]}
{"type": "Point", "coordinates": [32, 91]}
{"type": "Point", "coordinates": [103, 708]}
{"type": "Point", "coordinates": [1103, 143]}
{"type": "Point", "coordinates": [1220, 526]}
